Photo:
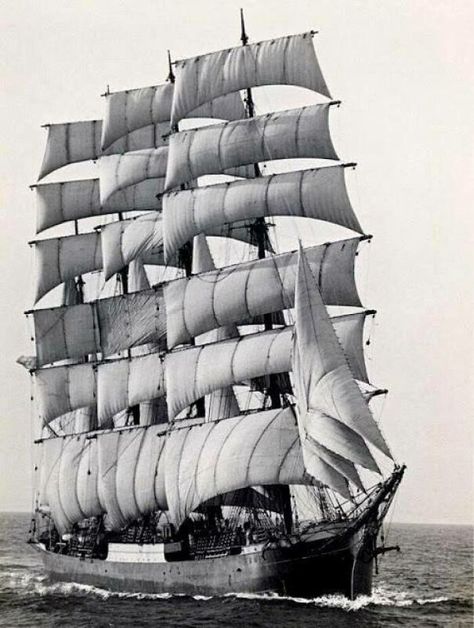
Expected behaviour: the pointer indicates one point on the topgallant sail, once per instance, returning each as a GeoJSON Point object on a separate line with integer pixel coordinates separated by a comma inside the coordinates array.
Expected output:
{"type": "Point", "coordinates": [203, 400]}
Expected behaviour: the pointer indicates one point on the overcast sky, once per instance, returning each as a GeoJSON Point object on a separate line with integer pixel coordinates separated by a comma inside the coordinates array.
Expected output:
{"type": "Point", "coordinates": [403, 70]}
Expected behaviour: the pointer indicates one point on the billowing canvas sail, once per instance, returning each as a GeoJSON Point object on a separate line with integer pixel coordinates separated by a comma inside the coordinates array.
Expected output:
{"type": "Point", "coordinates": [62, 389]}
{"type": "Point", "coordinates": [221, 403]}
{"type": "Point", "coordinates": [106, 326]}
{"type": "Point", "coordinates": [73, 142]}
{"type": "Point", "coordinates": [235, 294]}
{"type": "Point", "coordinates": [127, 382]}
{"type": "Point", "coordinates": [331, 408]}
{"type": "Point", "coordinates": [283, 61]}
{"type": "Point", "coordinates": [318, 193]}
{"type": "Point", "coordinates": [60, 259]}
{"type": "Point", "coordinates": [198, 371]}
{"type": "Point", "coordinates": [133, 109]}
{"type": "Point", "coordinates": [217, 457]}
{"type": "Point", "coordinates": [69, 143]}
{"type": "Point", "coordinates": [126, 240]}
{"type": "Point", "coordinates": [118, 172]}
{"type": "Point", "coordinates": [124, 488]}
{"type": "Point", "coordinates": [297, 133]}
{"type": "Point", "coordinates": [69, 482]}
{"type": "Point", "coordinates": [72, 200]}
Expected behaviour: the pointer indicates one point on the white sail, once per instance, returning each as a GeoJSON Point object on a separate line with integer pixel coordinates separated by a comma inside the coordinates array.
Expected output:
{"type": "Point", "coordinates": [214, 458]}
{"type": "Point", "coordinates": [297, 133]}
{"type": "Point", "coordinates": [106, 326]}
{"type": "Point", "coordinates": [73, 142]}
{"type": "Point", "coordinates": [72, 451]}
{"type": "Point", "coordinates": [221, 403]}
{"type": "Point", "coordinates": [235, 294]}
{"type": "Point", "coordinates": [198, 371]}
{"type": "Point", "coordinates": [133, 109]}
{"type": "Point", "coordinates": [331, 408]}
{"type": "Point", "coordinates": [127, 382]}
{"type": "Point", "coordinates": [126, 240]}
{"type": "Point", "coordinates": [72, 200]}
{"type": "Point", "coordinates": [126, 491]}
{"type": "Point", "coordinates": [59, 259]}
{"type": "Point", "coordinates": [62, 389]}
{"type": "Point", "coordinates": [318, 193]}
{"type": "Point", "coordinates": [118, 172]}
{"type": "Point", "coordinates": [49, 497]}
{"type": "Point", "coordinates": [283, 61]}
{"type": "Point", "coordinates": [87, 484]}
{"type": "Point", "coordinates": [69, 143]}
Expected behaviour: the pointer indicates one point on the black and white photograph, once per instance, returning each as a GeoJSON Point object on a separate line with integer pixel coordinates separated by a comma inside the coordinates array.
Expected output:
{"type": "Point", "coordinates": [237, 348]}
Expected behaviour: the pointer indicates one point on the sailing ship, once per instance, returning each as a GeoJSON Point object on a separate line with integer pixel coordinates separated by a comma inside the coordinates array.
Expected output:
{"type": "Point", "coordinates": [204, 420]}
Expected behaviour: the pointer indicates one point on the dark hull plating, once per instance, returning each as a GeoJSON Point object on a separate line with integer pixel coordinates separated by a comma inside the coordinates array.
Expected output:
{"type": "Point", "coordinates": [300, 570]}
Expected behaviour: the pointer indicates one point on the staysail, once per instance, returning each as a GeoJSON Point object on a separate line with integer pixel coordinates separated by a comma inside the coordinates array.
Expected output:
{"type": "Point", "coordinates": [331, 409]}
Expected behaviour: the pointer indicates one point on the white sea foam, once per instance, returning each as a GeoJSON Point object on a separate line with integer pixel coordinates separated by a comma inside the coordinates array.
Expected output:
{"type": "Point", "coordinates": [36, 584]}
{"type": "Point", "coordinates": [380, 597]}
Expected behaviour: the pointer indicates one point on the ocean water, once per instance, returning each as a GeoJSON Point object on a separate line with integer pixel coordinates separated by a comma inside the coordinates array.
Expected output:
{"type": "Point", "coordinates": [430, 583]}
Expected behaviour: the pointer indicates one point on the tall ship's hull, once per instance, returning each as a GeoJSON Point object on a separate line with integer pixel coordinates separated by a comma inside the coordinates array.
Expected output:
{"type": "Point", "coordinates": [304, 570]}
{"type": "Point", "coordinates": [330, 558]}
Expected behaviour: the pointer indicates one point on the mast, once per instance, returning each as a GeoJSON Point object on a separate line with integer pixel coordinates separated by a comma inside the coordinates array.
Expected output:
{"type": "Point", "coordinates": [133, 411]}
{"type": "Point", "coordinates": [185, 254]}
{"type": "Point", "coordinates": [260, 232]}
{"type": "Point", "coordinates": [260, 229]}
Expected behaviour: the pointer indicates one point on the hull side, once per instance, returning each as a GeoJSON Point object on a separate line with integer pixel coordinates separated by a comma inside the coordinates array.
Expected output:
{"type": "Point", "coordinates": [286, 571]}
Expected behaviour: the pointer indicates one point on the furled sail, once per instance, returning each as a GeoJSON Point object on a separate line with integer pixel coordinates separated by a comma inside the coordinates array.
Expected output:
{"type": "Point", "coordinates": [198, 371]}
{"type": "Point", "coordinates": [296, 133]}
{"type": "Point", "coordinates": [133, 109]}
{"type": "Point", "coordinates": [213, 458]}
{"type": "Point", "coordinates": [126, 240]}
{"type": "Point", "coordinates": [283, 61]}
{"type": "Point", "coordinates": [106, 326]}
{"type": "Point", "coordinates": [235, 294]}
{"type": "Point", "coordinates": [331, 409]}
{"type": "Point", "coordinates": [71, 200]}
{"type": "Point", "coordinates": [318, 193]}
